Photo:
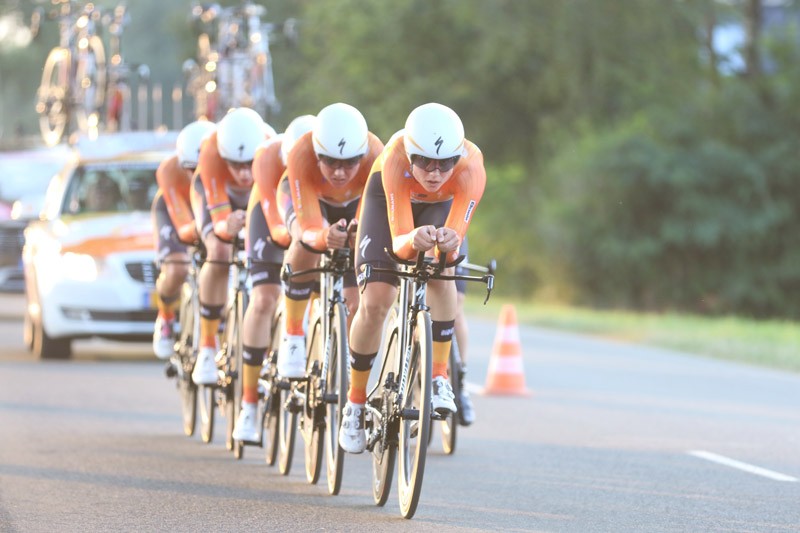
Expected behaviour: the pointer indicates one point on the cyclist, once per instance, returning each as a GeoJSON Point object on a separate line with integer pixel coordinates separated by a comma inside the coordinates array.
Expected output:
{"type": "Point", "coordinates": [327, 169]}
{"type": "Point", "coordinates": [267, 238]}
{"type": "Point", "coordinates": [174, 227]}
{"type": "Point", "coordinates": [421, 196]}
{"type": "Point", "coordinates": [220, 192]}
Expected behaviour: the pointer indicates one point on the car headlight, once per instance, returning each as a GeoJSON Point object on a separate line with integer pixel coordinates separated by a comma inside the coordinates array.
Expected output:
{"type": "Point", "coordinates": [79, 267]}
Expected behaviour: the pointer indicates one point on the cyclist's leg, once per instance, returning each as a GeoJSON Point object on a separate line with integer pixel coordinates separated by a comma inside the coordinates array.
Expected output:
{"type": "Point", "coordinates": [174, 259]}
{"type": "Point", "coordinates": [367, 323]}
{"type": "Point", "coordinates": [212, 289]}
{"type": "Point", "coordinates": [297, 292]}
{"type": "Point", "coordinates": [265, 259]}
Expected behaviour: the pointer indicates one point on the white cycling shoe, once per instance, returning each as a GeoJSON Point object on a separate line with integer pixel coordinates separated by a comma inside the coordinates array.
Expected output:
{"type": "Point", "coordinates": [246, 428]}
{"type": "Point", "coordinates": [352, 437]}
{"type": "Point", "coordinates": [205, 369]}
{"type": "Point", "coordinates": [442, 397]}
{"type": "Point", "coordinates": [163, 341]}
{"type": "Point", "coordinates": [292, 357]}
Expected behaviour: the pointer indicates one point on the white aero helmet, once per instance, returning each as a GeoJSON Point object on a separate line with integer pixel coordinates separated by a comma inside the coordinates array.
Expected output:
{"type": "Point", "coordinates": [239, 133]}
{"type": "Point", "coordinates": [189, 140]}
{"type": "Point", "coordinates": [434, 131]}
{"type": "Point", "coordinates": [296, 129]}
{"type": "Point", "coordinates": [340, 132]}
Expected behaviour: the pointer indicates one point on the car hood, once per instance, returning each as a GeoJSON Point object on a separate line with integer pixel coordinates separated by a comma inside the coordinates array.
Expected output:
{"type": "Point", "coordinates": [104, 234]}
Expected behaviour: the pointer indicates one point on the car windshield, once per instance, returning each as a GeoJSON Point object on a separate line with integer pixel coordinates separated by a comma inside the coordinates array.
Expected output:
{"type": "Point", "coordinates": [111, 188]}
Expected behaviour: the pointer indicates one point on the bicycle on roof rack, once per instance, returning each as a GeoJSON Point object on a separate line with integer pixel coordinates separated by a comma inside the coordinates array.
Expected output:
{"type": "Point", "coordinates": [74, 74]}
{"type": "Point", "coordinates": [234, 63]}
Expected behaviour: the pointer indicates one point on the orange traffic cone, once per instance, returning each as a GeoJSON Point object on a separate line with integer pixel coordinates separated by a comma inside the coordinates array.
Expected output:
{"type": "Point", "coordinates": [506, 375]}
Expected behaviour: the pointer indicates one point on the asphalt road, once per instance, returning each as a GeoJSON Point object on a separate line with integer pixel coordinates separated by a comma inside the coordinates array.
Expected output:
{"type": "Point", "coordinates": [614, 437]}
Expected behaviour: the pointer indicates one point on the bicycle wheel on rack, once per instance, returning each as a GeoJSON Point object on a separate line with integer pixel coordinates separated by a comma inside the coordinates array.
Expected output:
{"type": "Point", "coordinates": [450, 423]}
{"type": "Point", "coordinates": [287, 427]}
{"type": "Point", "coordinates": [336, 387]}
{"type": "Point", "coordinates": [384, 451]}
{"type": "Point", "coordinates": [312, 419]}
{"type": "Point", "coordinates": [89, 83]}
{"type": "Point", "coordinates": [413, 436]}
{"type": "Point", "coordinates": [52, 99]}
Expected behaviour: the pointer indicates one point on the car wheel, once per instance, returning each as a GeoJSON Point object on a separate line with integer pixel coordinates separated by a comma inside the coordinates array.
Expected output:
{"type": "Point", "coordinates": [46, 347]}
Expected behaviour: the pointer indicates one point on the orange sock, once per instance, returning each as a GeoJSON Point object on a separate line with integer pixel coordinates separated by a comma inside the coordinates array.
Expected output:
{"type": "Point", "coordinates": [250, 383]}
{"type": "Point", "coordinates": [358, 386]}
{"type": "Point", "coordinates": [295, 310]}
{"type": "Point", "coordinates": [441, 353]}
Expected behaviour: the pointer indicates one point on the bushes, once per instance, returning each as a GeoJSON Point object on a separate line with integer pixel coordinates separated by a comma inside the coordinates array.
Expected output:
{"type": "Point", "coordinates": [692, 210]}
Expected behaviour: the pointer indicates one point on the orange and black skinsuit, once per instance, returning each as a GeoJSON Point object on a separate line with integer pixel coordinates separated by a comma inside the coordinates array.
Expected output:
{"type": "Point", "coordinates": [173, 223]}
{"type": "Point", "coordinates": [316, 204]}
{"type": "Point", "coordinates": [214, 195]}
{"type": "Point", "coordinates": [394, 204]}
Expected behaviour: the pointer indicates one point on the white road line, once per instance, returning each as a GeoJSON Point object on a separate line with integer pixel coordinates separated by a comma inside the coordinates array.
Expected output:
{"type": "Point", "coordinates": [733, 463]}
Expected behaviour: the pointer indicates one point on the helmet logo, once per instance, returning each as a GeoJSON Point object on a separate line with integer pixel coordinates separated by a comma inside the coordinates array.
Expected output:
{"type": "Point", "coordinates": [341, 146]}
{"type": "Point", "coordinates": [438, 144]}
{"type": "Point", "coordinates": [241, 150]}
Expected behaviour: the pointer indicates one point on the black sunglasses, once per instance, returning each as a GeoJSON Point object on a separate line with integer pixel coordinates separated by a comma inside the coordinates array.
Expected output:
{"type": "Point", "coordinates": [429, 164]}
{"type": "Point", "coordinates": [240, 165]}
{"type": "Point", "coordinates": [332, 162]}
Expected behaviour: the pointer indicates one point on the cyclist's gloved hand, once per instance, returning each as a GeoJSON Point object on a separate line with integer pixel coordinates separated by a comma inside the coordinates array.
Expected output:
{"type": "Point", "coordinates": [336, 236]}
{"type": "Point", "coordinates": [424, 238]}
{"type": "Point", "coordinates": [235, 222]}
{"type": "Point", "coordinates": [447, 240]}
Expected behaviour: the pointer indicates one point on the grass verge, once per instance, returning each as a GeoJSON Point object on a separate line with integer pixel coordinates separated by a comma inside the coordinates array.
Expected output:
{"type": "Point", "coordinates": [770, 343]}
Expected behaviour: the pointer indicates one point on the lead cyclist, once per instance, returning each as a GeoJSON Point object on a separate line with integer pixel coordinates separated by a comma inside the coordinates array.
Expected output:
{"type": "Point", "coordinates": [422, 193]}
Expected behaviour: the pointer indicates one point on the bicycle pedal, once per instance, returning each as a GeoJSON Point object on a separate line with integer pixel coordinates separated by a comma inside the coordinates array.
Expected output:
{"type": "Point", "coordinates": [414, 430]}
{"type": "Point", "coordinates": [435, 415]}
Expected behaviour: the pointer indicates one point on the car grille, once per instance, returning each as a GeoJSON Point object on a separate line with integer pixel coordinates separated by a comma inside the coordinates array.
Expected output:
{"type": "Point", "coordinates": [11, 241]}
{"type": "Point", "coordinates": [146, 315]}
{"type": "Point", "coordinates": [146, 272]}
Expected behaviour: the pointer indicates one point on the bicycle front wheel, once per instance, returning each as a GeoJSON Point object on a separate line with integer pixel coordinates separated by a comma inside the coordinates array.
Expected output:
{"type": "Point", "coordinates": [311, 417]}
{"type": "Point", "coordinates": [336, 386]}
{"type": "Point", "coordinates": [207, 401]}
{"type": "Point", "coordinates": [233, 394]}
{"type": "Point", "coordinates": [416, 423]}
{"type": "Point", "coordinates": [287, 427]}
{"type": "Point", "coordinates": [186, 355]}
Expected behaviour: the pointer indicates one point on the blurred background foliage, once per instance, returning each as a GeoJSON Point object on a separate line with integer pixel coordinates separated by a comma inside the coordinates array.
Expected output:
{"type": "Point", "coordinates": [632, 163]}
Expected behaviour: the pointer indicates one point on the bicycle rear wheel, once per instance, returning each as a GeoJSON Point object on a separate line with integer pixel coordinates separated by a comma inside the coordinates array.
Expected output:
{"type": "Point", "coordinates": [336, 386]}
{"type": "Point", "coordinates": [450, 423]}
{"type": "Point", "coordinates": [312, 420]}
{"type": "Point", "coordinates": [413, 437]}
{"type": "Point", "coordinates": [384, 451]}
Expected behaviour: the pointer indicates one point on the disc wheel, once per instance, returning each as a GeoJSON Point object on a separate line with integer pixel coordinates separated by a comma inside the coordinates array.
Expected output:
{"type": "Point", "coordinates": [384, 452]}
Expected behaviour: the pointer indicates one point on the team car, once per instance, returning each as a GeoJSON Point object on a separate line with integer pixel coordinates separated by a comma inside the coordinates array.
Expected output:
{"type": "Point", "coordinates": [89, 262]}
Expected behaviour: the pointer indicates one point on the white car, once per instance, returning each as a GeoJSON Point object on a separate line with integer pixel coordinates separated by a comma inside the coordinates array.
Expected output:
{"type": "Point", "coordinates": [89, 262]}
